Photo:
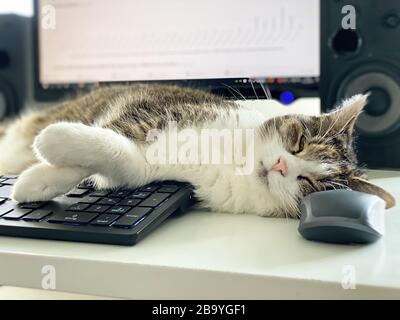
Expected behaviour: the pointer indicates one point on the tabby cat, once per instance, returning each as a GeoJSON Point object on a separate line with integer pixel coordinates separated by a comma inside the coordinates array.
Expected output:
{"type": "Point", "coordinates": [104, 136]}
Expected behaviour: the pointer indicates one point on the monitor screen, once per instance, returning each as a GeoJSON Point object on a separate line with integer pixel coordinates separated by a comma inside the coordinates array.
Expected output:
{"type": "Point", "coordinates": [92, 41]}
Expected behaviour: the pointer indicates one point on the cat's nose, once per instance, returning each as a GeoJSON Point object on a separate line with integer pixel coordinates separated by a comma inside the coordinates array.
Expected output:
{"type": "Point", "coordinates": [281, 166]}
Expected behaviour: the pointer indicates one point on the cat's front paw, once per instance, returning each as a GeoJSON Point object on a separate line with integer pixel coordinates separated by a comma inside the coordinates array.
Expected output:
{"type": "Point", "coordinates": [32, 186]}
{"type": "Point", "coordinates": [61, 144]}
{"type": "Point", "coordinates": [43, 182]}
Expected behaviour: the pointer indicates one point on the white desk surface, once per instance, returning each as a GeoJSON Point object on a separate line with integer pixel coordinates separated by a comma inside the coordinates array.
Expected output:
{"type": "Point", "coordinates": [215, 255]}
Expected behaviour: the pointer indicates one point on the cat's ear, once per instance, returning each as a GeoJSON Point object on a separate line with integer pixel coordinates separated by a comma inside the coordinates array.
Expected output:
{"type": "Point", "coordinates": [345, 116]}
{"type": "Point", "coordinates": [360, 184]}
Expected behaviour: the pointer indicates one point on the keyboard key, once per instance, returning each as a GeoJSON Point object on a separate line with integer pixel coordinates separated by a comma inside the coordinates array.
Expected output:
{"type": "Point", "coordinates": [16, 214]}
{"type": "Point", "coordinates": [119, 209]}
{"type": "Point", "coordinates": [168, 189]}
{"type": "Point", "coordinates": [109, 201]}
{"type": "Point", "coordinates": [10, 176]}
{"type": "Point", "coordinates": [9, 182]}
{"type": "Point", "coordinates": [120, 193]}
{"type": "Point", "coordinates": [89, 199]}
{"type": "Point", "coordinates": [130, 202]}
{"type": "Point", "coordinates": [85, 185]}
{"type": "Point", "coordinates": [154, 200]}
{"type": "Point", "coordinates": [129, 189]}
{"type": "Point", "coordinates": [149, 188]}
{"type": "Point", "coordinates": [100, 193]}
{"type": "Point", "coordinates": [31, 205]}
{"type": "Point", "coordinates": [98, 208]}
{"type": "Point", "coordinates": [6, 207]}
{"type": "Point", "coordinates": [128, 222]}
{"type": "Point", "coordinates": [5, 191]}
{"type": "Point", "coordinates": [37, 215]}
{"type": "Point", "coordinates": [78, 207]}
{"type": "Point", "coordinates": [140, 195]}
{"type": "Point", "coordinates": [77, 192]}
{"type": "Point", "coordinates": [2, 200]}
{"type": "Point", "coordinates": [73, 217]}
{"type": "Point", "coordinates": [138, 211]}
{"type": "Point", "coordinates": [2, 180]}
{"type": "Point", "coordinates": [104, 219]}
{"type": "Point", "coordinates": [131, 218]}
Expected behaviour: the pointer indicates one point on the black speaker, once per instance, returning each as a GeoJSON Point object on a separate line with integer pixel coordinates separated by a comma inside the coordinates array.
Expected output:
{"type": "Point", "coordinates": [15, 55]}
{"type": "Point", "coordinates": [360, 60]}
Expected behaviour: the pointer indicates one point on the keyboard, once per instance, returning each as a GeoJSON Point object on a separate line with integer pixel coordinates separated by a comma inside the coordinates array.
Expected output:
{"type": "Point", "coordinates": [120, 216]}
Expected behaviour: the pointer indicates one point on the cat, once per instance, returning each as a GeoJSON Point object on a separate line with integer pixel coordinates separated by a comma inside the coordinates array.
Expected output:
{"type": "Point", "coordinates": [103, 136]}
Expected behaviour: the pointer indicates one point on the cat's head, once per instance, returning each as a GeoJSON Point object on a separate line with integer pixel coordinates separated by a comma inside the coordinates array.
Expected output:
{"type": "Point", "coordinates": [305, 154]}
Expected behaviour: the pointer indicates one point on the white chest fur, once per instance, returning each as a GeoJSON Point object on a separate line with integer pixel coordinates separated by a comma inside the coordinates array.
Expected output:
{"type": "Point", "coordinates": [220, 185]}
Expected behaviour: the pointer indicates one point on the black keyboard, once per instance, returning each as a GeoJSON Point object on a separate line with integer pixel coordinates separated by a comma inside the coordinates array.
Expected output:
{"type": "Point", "coordinates": [119, 216]}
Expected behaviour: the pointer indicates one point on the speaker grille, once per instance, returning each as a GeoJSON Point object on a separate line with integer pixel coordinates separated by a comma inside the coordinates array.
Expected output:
{"type": "Point", "coordinates": [365, 59]}
{"type": "Point", "coordinates": [382, 114]}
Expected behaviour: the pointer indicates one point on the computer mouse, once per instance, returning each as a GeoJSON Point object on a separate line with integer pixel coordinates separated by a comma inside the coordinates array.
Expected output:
{"type": "Point", "coordinates": [342, 216]}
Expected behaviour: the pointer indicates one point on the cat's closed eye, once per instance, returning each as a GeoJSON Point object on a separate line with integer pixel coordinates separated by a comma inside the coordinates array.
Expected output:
{"type": "Point", "coordinates": [302, 142]}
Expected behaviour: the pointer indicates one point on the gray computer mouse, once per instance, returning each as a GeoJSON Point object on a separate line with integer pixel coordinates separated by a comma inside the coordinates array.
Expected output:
{"type": "Point", "coordinates": [342, 216]}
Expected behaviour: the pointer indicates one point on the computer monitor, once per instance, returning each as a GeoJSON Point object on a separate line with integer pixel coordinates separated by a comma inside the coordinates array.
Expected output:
{"type": "Point", "coordinates": [229, 47]}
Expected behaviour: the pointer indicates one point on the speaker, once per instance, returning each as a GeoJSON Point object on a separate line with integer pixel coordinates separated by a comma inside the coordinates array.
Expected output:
{"type": "Point", "coordinates": [15, 58]}
{"type": "Point", "coordinates": [360, 60]}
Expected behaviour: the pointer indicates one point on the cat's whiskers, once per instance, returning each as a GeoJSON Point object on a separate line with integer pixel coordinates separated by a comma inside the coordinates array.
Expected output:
{"type": "Point", "coordinates": [331, 185]}
{"type": "Point", "coordinates": [334, 136]}
{"type": "Point", "coordinates": [266, 91]}
{"type": "Point", "coordinates": [287, 216]}
{"type": "Point", "coordinates": [344, 180]}
{"type": "Point", "coordinates": [308, 131]}
{"type": "Point", "coordinates": [340, 184]}
{"type": "Point", "coordinates": [296, 209]}
{"type": "Point", "coordinates": [235, 90]}
{"type": "Point", "coordinates": [330, 138]}
{"type": "Point", "coordinates": [346, 124]}
{"type": "Point", "coordinates": [252, 85]}
{"type": "Point", "coordinates": [292, 206]}
{"type": "Point", "coordinates": [332, 125]}
{"type": "Point", "coordinates": [233, 94]}
{"type": "Point", "coordinates": [319, 131]}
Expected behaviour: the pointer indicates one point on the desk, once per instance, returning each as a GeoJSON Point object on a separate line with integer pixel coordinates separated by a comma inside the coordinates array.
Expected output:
{"type": "Point", "coordinates": [204, 255]}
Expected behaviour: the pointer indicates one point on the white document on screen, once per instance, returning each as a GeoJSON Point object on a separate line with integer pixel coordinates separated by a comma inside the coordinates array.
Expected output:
{"type": "Point", "coordinates": [102, 40]}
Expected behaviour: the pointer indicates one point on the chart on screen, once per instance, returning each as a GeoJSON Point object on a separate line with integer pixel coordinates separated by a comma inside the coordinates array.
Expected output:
{"type": "Point", "coordinates": [102, 40]}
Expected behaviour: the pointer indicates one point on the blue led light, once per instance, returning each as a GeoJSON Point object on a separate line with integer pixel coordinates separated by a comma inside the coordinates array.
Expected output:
{"type": "Point", "coordinates": [286, 97]}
